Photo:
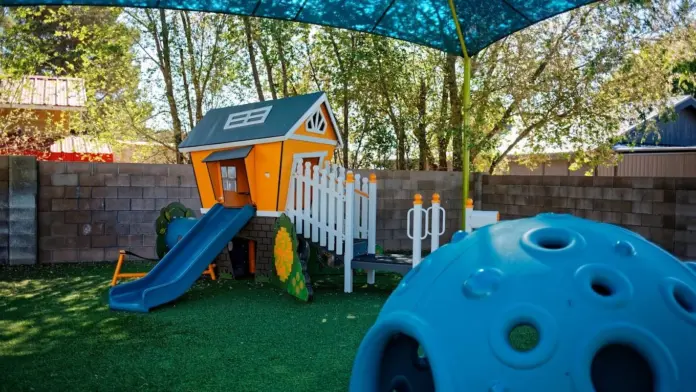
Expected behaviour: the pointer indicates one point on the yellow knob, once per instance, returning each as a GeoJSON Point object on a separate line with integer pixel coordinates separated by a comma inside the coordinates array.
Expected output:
{"type": "Point", "coordinates": [373, 177]}
{"type": "Point", "coordinates": [349, 177]}
{"type": "Point", "coordinates": [417, 199]}
{"type": "Point", "coordinates": [436, 197]}
{"type": "Point", "coordinates": [469, 203]}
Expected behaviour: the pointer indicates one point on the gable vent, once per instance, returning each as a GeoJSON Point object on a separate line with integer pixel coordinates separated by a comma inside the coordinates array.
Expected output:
{"type": "Point", "coordinates": [248, 117]}
{"type": "Point", "coordinates": [316, 123]}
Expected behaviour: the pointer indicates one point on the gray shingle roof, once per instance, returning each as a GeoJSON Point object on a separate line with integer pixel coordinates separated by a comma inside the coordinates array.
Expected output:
{"type": "Point", "coordinates": [283, 115]}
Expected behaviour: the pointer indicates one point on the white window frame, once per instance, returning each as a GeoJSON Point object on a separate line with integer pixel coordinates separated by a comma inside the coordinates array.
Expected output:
{"type": "Point", "coordinates": [312, 117]}
{"type": "Point", "coordinates": [225, 175]}
{"type": "Point", "coordinates": [247, 117]}
{"type": "Point", "coordinates": [320, 154]}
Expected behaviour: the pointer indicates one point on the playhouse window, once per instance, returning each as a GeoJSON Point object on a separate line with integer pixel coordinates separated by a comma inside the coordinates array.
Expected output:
{"type": "Point", "coordinates": [229, 178]}
{"type": "Point", "coordinates": [316, 123]}
{"type": "Point", "coordinates": [248, 117]}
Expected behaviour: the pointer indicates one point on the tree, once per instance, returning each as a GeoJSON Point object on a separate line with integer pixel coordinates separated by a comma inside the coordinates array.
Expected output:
{"type": "Point", "coordinates": [90, 43]}
{"type": "Point", "coordinates": [569, 83]}
{"type": "Point", "coordinates": [206, 45]}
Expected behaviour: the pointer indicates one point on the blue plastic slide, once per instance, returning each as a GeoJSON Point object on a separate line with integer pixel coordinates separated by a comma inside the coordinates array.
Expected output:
{"type": "Point", "coordinates": [184, 263]}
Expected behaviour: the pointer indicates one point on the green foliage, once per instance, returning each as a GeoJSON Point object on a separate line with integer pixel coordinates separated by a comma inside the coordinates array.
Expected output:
{"type": "Point", "coordinates": [570, 83]}
{"type": "Point", "coordinates": [83, 42]}
{"type": "Point", "coordinates": [168, 213]}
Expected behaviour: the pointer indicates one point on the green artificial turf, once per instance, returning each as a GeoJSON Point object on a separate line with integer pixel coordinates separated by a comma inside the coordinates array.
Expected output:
{"type": "Point", "coordinates": [58, 334]}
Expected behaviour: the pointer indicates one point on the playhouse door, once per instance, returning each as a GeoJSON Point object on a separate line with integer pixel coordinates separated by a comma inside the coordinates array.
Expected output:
{"type": "Point", "coordinates": [314, 162]}
{"type": "Point", "coordinates": [235, 184]}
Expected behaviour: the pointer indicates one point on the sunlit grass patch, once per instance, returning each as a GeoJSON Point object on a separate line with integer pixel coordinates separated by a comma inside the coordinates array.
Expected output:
{"type": "Point", "coordinates": [58, 334]}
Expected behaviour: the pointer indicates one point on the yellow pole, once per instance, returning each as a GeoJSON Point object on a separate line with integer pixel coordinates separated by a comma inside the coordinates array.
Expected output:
{"type": "Point", "coordinates": [465, 136]}
{"type": "Point", "coordinates": [467, 118]}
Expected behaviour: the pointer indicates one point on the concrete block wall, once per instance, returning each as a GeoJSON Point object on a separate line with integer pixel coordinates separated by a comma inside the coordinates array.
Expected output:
{"type": "Point", "coordinates": [18, 223]}
{"type": "Point", "coordinates": [88, 211]}
{"type": "Point", "coordinates": [395, 192]}
{"type": "Point", "coordinates": [4, 210]}
{"type": "Point", "coordinates": [661, 209]}
{"type": "Point", "coordinates": [260, 229]}
{"type": "Point", "coordinates": [22, 210]}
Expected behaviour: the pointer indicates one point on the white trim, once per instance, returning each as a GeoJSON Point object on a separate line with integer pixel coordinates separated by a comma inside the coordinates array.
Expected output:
{"type": "Point", "coordinates": [204, 210]}
{"type": "Point", "coordinates": [654, 148]}
{"type": "Point", "coordinates": [333, 121]}
{"type": "Point", "coordinates": [319, 154]}
{"type": "Point", "coordinates": [243, 143]}
{"type": "Point", "coordinates": [268, 214]}
{"type": "Point", "coordinates": [313, 139]}
{"type": "Point", "coordinates": [247, 117]}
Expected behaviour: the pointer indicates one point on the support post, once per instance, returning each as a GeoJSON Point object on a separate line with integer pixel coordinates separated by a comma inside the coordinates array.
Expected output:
{"type": "Point", "coordinates": [465, 136]}
{"type": "Point", "coordinates": [467, 107]}
{"type": "Point", "coordinates": [417, 235]}
{"type": "Point", "coordinates": [348, 234]}
{"type": "Point", "coordinates": [372, 217]}
{"type": "Point", "coordinates": [468, 210]}
{"type": "Point", "coordinates": [435, 223]}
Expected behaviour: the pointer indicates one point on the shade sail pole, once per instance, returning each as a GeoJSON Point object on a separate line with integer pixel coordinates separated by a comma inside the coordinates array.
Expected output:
{"type": "Point", "coordinates": [467, 117]}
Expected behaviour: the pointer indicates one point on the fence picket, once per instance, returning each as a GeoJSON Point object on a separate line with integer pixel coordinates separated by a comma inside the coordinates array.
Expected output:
{"type": "Point", "coordinates": [323, 208]}
{"type": "Point", "coordinates": [299, 186]}
{"type": "Point", "coordinates": [331, 229]}
{"type": "Point", "coordinates": [356, 208]}
{"type": "Point", "coordinates": [306, 208]}
{"type": "Point", "coordinates": [315, 204]}
{"type": "Point", "coordinates": [340, 204]}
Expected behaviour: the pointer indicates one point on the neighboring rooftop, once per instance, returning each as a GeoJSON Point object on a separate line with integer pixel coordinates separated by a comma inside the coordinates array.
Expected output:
{"type": "Point", "coordinates": [267, 121]}
{"type": "Point", "coordinates": [43, 92]}
{"type": "Point", "coordinates": [677, 135]}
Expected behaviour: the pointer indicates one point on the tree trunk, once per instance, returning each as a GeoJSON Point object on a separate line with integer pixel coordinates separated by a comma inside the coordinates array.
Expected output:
{"type": "Point", "coordinates": [165, 61]}
{"type": "Point", "coordinates": [186, 89]}
{"type": "Point", "coordinates": [455, 113]}
{"type": "Point", "coordinates": [423, 149]}
{"type": "Point", "coordinates": [252, 58]}
{"type": "Point", "coordinates": [283, 61]}
{"type": "Point", "coordinates": [193, 66]}
{"type": "Point", "coordinates": [344, 131]}
{"type": "Point", "coordinates": [443, 134]}
{"type": "Point", "coordinates": [269, 68]}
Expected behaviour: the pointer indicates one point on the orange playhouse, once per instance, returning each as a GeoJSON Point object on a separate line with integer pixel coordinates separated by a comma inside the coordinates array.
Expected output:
{"type": "Point", "coordinates": [244, 154]}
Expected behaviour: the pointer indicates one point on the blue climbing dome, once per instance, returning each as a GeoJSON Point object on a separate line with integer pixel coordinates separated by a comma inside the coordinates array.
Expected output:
{"type": "Point", "coordinates": [550, 303]}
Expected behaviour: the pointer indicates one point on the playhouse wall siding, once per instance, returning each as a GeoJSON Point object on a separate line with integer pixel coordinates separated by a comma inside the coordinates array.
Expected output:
{"type": "Point", "coordinates": [266, 159]}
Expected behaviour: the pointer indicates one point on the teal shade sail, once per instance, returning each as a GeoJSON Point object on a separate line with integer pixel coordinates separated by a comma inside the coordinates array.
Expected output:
{"type": "Point", "coordinates": [424, 22]}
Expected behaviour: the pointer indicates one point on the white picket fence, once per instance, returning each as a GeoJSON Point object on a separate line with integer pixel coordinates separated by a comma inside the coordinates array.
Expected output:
{"type": "Point", "coordinates": [332, 207]}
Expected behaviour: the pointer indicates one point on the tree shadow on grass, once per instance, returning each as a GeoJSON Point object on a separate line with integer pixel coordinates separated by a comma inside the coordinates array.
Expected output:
{"type": "Point", "coordinates": [56, 314]}
{"type": "Point", "coordinates": [58, 334]}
